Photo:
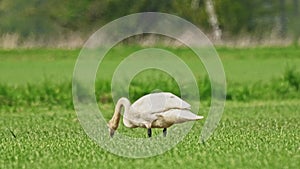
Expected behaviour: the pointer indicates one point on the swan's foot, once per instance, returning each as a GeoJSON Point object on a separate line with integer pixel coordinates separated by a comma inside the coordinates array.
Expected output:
{"type": "Point", "coordinates": [149, 132]}
{"type": "Point", "coordinates": [165, 132]}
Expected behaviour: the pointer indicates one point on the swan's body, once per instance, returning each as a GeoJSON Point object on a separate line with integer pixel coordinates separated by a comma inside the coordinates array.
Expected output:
{"type": "Point", "coordinates": [156, 110]}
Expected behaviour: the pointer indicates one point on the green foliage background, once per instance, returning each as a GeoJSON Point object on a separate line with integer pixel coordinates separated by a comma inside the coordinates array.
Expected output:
{"type": "Point", "coordinates": [40, 18]}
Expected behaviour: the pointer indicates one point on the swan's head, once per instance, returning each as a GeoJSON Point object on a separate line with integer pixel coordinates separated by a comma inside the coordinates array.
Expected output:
{"type": "Point", "coordinates": [112, 127]}
{"type": "Point", "coordinates": [111, 132]}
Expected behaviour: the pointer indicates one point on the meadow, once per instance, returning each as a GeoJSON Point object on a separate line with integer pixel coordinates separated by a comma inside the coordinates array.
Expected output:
{"type": "Point", "coordinates": [259, 127]}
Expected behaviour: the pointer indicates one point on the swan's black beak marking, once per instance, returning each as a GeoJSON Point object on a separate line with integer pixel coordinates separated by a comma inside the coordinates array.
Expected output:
{"type": "Point", "coordinates": [111, 132]}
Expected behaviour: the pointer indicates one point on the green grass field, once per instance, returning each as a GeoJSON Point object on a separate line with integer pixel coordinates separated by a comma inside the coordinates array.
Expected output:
{"type": "Point", "coordinates": [259, 127]}
{"type": "Point", "coordinates": [241, 65]}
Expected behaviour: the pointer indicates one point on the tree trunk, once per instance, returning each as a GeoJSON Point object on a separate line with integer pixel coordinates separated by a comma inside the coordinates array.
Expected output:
{"type": "Point", "coordinates": [213, 20]}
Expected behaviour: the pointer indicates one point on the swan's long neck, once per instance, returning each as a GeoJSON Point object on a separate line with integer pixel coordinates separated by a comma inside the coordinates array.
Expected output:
{"type": "Point", "coordinates": [114, 122]}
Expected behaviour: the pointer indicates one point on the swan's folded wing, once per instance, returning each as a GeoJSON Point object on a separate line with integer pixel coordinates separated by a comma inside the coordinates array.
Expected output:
{"type": "Point", "coordinates": [159, 102]}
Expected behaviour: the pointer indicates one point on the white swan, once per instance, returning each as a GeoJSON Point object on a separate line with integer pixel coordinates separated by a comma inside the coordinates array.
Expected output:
{"type": "Point", "coordinates": [156, 110]}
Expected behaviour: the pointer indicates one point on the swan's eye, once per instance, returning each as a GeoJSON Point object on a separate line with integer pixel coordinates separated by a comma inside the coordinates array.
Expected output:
{"type": "Point", "coordinates": [172, 97]}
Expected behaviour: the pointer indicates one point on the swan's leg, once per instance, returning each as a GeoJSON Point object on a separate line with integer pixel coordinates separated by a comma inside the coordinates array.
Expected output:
{"type": "Point", "coordinates": [165, 132]}
{"type": "Point", "coordinates": [149, 132]}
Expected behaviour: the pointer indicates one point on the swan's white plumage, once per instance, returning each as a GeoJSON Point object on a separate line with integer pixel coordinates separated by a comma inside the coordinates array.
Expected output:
{"type": "Point", "coordinates": [156, 110]}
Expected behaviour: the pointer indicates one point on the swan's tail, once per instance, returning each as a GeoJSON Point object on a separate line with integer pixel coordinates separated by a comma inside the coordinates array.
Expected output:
{"type": "Point", "coordinates": [183, 115]}
{"type": "Point", "coordinates": [186, 115]}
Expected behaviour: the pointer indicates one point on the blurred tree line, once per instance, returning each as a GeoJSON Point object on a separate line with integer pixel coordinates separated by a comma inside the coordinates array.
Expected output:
{"type": "Point", "coordinates": [236, 17]}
